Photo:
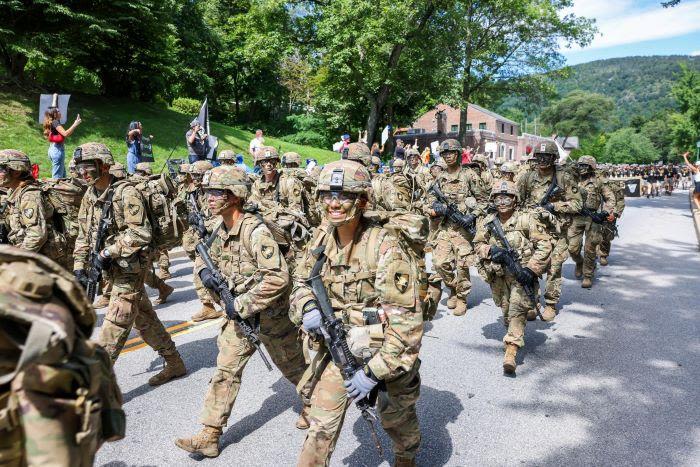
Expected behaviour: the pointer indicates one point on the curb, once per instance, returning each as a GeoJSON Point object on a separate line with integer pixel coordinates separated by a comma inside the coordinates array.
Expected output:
{"type": "Point", "coordinates": [695, 212]}
{"type": "Point", "coordinates": [179, 252]}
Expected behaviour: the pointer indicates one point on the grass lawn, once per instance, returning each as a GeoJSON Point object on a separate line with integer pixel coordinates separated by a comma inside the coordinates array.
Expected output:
{"type": "Point", "coordinates": [106, 121]}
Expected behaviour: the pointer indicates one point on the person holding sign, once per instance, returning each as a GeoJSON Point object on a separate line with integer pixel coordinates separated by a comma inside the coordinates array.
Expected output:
{"type": "Point", "coordinates": [135, 146]}
{"type": "Point", "coordinates": [56, 134]}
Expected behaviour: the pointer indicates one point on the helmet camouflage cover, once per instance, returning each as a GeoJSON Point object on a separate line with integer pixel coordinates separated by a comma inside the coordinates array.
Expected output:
{"type": "Point", "coordinates": [509, 167]}
{"type": "Point", "coordinates": [15, 160]}
{"type": "Point", "coordinates": [200, 167]}
{"type": "Point", "coordinates": [547, 147]}
{"type": "Point", "coordinates": [412, 153]}
{"type": "Point", "coordinates": [93, 152]}
{"type": "Point", "coordinates": [291, 158]}
{"type": "Point", "coordinates": [479, 159]}
{"type": "Point", "coordinates": [265, 153]}
{"type": "Point", "coordinates": [228, 177]}
{"type": "Point", "coordinates": [144, 167]}
{"type": "Point", "coordinates": [587, 160]}
{"type": "Point", "coordinates": [344, 175]}
{"type": "Point", "coordinates": [450, 145]}
{"type": "Point", "coordinates": [504, 187]}
{"type": "Point", "coordinates": [227, 155]}
{"type": "Point", "coordinates": [118, 170]}
{"type": "Point", "coordinates": [441, 163]}
{"type": "Point", "coordinates": [399, 164]}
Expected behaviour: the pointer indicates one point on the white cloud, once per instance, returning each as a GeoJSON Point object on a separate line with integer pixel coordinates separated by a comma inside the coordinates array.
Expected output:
{"type": "Point", "coordinates": [619, 24]}
{"type": "Point", "coordinates": [695, 54]}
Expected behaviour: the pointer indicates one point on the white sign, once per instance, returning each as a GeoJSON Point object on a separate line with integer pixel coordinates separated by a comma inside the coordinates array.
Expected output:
{"type": "Point", "coordinates": [491, 147]}
{"type": "Point", "coordinates": [435, 147]}
{"type": "Point", "coordinates": [58, 100]}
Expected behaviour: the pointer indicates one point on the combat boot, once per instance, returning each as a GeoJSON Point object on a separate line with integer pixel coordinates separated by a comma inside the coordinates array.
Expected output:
{"type": "Point", "coordinates": [206, 442]}
{"type": "Point", "coordinates": [101, 302]}
{"type": "Point", "coordinates": [164, 291]}
{"type": "Point", "coordinates": [603, 260]}
{"type": "Point", "coordinates": [579, 270]}
{"type": "Point", "coordinates": [303, 420]}
{"type": "Point", "coordinates": [587, 282]}
{"type": "Point", "coordinates": [460, 308]}
{"type": "Point", "coordinates": [452, 300]}
{"type": "Point", "coordinates": [174, 368]}
{"type": "Point", "coordinates": [164, 274]}
{"type": "Point", "coordinates": [509, 359]}
{"type": "Point", "coordinates": [549, 313]}
{"type": "Point", "coordinates": [404, 462]}
{"type": "Point", "coordinates": [533, 312]}
{"type": "Point", "coordinates": [207, 312]}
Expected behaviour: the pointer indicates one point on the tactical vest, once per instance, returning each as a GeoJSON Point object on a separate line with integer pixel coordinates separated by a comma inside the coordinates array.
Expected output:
{"type": "Point", "coordinates": [167, 214]}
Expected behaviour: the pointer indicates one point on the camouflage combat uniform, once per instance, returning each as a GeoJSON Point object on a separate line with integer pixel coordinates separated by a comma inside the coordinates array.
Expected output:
{"type": "Point", "coordinates": [618, 188]}
{"type": "Point", "coordinates": [59, 399]}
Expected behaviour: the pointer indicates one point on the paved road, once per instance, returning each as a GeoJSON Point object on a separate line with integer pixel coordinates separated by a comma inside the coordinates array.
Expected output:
{"type": "Point", "coordinates": [613, 381]}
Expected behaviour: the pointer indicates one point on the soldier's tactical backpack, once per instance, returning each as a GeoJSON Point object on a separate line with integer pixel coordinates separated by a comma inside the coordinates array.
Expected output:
{"type": "Point", "coordinates": [65, 196]}
{"type": "Point", "coordinates": [167, 213]}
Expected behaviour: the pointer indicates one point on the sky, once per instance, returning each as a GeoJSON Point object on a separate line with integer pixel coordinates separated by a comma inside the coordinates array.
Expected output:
{"type": "Point", "coordinates": [637, 27]}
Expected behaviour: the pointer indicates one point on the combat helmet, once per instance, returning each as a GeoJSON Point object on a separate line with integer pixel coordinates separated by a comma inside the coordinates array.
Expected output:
{"type": "Point", "coordinates": [547, 147]}
{"type": "Point", "coordinates": [508, 167]}
{"type": "Point", "coordinates": [504, 187]}
{"type": "Point", "coordinates": [291, 158]}
{"type": "Point", "coordinates": [344, 175]}
{"type": "Point", "coordinates": [479, 159]}
{"type": "Point", "coordinates": [226, 155]}
{"type": "Point", "coordinates": [587, 160]}
{"type": "Point", "coordinates": [412, 153]}
{"type": "Point", "coordinates": [200, 167]}
{"type": "Point", "coordinates": [144, 167]}
{"type": "Point", "coordinates": [359, 152]}
{"type": "Point", "coordinates": [441, 163]}
{"type": "Point", "coordinates": [450, 145]}
{"type": "Point", "coordinates": [399, 165]}
{"type": "Point", "coordinates": [15, 160]}
{"type": "Point", "coordinates": [228, 177]}
{"type": "Point", "coordinates": [265, 153]}
{"type": "Point", "coordinates": [93, 152]}
{"type": "Point", "coordinates": [118, 170]}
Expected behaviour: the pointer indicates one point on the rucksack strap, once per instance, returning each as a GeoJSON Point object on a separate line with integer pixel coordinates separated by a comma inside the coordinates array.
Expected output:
{"type": "Point", "coordinates": [36, 344]}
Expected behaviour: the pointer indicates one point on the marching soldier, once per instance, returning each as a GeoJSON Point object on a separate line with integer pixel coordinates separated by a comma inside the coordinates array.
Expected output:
{"type": "Point", "coordinates": [395, 191]}
{"type": "Point", "coordinates": [618, 189]}
{"type": "Point", "coordinates": [416, 168]}
{"type": "Point", "coordinates": [248, 257]}
{"type": "Point", "coordinates": [124, 259]}
{"type": "Point", "coordinates": [451, 244]}
{"type": "Point", "coordinates": [59, 399]}
{"type": "Point", "coordinates": [227, 157]}
{"type": "Point", "coordinates": [479, 164]}
{"type": "Point", "coordinates": [373, 287]}
{"type": "Point", "coordinates": [594, 193]}
{"type": "Point", "coordinates": [508, 170]}
{"type": "Point", "coordinates": [514, 292]}
{"type": "Point", "coordinates": [557, 192]}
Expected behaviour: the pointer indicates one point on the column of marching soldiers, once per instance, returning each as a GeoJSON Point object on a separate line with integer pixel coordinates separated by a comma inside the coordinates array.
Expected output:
{"type": "Point", "coordinates": [332, 260]}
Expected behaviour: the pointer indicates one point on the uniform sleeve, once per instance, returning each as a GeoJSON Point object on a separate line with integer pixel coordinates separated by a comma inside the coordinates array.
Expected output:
{"type": "Point", "coordinates": [136, 232]}
{"type": "Point", "coordinates": [272, 281]}
{"type": "Point", "coordinates": [82, 242]}
{"type": "Point", "coordinates": [481, 241]}
{"type": "Point", "coordinates": [572, 202]}
{"type": "Point", "coordinates": [608, 198]}
{"type": "Point", "coordinates": [619, 201]}
{"type": "Point", "coordinates": [294, 189]}
{"type": "Point", "coordinates": [397, 282]}
{"type": "Point", "coordinates": [33, 219]}
{"type": "Point", "coordinates": [541, 245]}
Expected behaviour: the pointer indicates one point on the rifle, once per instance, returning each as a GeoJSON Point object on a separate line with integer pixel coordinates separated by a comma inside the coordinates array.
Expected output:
{"type": "Point", "coordinates": [448, 210]}
{"type": "Point", "coordinates": [195, 218]}
{"type": "Point", "coordinates": [512, 262]}
{"type": "Point", "coordinates": [599, 217]}
{"type": "Point", "coordinates": [94, 275]}
{"type": "Point", "coordinates": [3, 227]}
{"type": "Point", "coordinates": [336, 341]}
{"type": "Point", "coordinates": [173, 167]}
{"type": "Point", "coordinates": [553, 190]}
{"type": "Point", "coordinates": [227, 297]}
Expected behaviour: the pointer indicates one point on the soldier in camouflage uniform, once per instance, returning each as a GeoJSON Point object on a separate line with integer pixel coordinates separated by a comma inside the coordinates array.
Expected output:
{"type": "Point", "coordinates": [29, 215]}
{"type": "Point", "coordinates": [195, 198]}
{"type": "Point", "coordinates": [618, 189]}
{"type": "Point", "coordinates": [436, 169]}
{"type": "Point", "coordinates": [508, 170]}
{"type": "Point", "coordinates": [365, 267]}
{"type": "Point", "coordinates": [395, 191]}
{"type": "Point", "coordinates": [124, 259]}
{"type": "Point", "coordinates": [451, 244]}
{"type": "Point", "coordinates": [416, 168]}
{"type": "Point", "coordinates": [479, 164]}
{"type": "Point", "coordinates": [118, 170]}
{"type": "Point", "coordinates": [359, 152]}
{"type": "Point", "coordinates": [528, 235]}
{"type": "Point", "coordinates": [247, 255]}
{"type": "Point", "coordinates": [566, 203]}
{"type": "Point", "coordinates": [291, 162]}
{"type": "Point", "coordinates": [59, 399]}
{"type": "Point", "coordinates": [227, 157]}
{"type": "Point", "coordinates": [375, 164]}
{"type": "Point", "coordinates": [594, 193]}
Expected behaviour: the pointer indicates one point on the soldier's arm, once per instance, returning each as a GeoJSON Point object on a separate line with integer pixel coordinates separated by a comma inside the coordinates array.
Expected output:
{"type": "Point", "coordinates": [33, 219]}
{"type": "Point", "coordinates": [620, 201]}
{"type": "Point", "coordinates": [541, 243]}
{"type": "Point", "coordinates": [397, 284]}
{"type": "Point", "coordinates": [273, 283]}
{"type": "Point", "coordinates": [301, 290]}
{"type": "Point", "coordinates": [82, 245]}
{"type": "Point", "coordinates": [481, 241]}
{"type": "Point", "coordinates": [294, 190]}
{"type": "Point", "coordinates": [137, 234]}
{"type": "Point", "coordinates": [572, 203]}
{"type": "Point", "coordinates": [522, 187]}
{"type": "Point", "coordinates": [608, 198]}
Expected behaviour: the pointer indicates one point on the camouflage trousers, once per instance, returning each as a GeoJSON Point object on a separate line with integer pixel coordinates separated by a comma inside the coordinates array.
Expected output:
{"type": "Point", "coordinates": [509, 295]}
{"type": "Point", "coordinates": [129, 307]}
{"type": "Point", "coordinates": [189, 243]}
{"type": "Point", "coordinates": [396, 407]}
{"type": "Point", "coordinates": [163, 260]}
{"type": "Point", "coordinates": [151, 279]}
{"type": "Point", "coordinates": [282, 343]}
{"type": "Point", "coordinates": [584, 225]}
{"type": "Point", "coordinates": [452, 256]}
{"type": "Point", "coordinates": [607, 236]}
{"type": "Point", "coordinates": [560, 252]}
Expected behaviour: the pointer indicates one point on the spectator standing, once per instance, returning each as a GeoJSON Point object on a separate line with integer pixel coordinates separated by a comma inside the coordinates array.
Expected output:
{"type": "Point", "coordinates": [695, 170]}
{"type": "Point", "coordinates": [400, 150]}
{"type": "Point", "coordinates": [134, 146]}
{"type": "Point", "coordinates": [344, 143]}
{"type": "Point", "coordinates": [197, 142]}
{"type": "Point", "coordinates": [256, 143]}
{"type": "Point", "coordinates": [56, 134]}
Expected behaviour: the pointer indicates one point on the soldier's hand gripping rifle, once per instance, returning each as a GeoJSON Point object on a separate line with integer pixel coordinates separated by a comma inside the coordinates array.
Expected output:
{"type": "Point", "coordinates": [94, 272]}
{"type": "Point", "coordinates": [336, 341]}
{"type": "Point", "coordinates": [195, 217]}
{"type": "Point", "coordinates": [444, 208]}
{"type": "Point", "coordinates": [599, 217]}
{"type": "Point", "coordinates": [222, 290]}
{"type": "Point", "coordinates": [510, 259]}
{"type": "Point", "coordinates": [553, 191]}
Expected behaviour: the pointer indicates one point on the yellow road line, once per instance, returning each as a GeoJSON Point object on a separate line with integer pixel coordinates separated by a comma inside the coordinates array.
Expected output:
{"type": "Point", "coordinates": [189, 326]}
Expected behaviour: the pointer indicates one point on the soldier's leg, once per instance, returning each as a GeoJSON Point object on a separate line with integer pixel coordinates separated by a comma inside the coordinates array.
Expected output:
{"type": "Point", "coordinates": [164, 263]}
{"type": "Point", "coordinates": [575, 238]}
{"type": "Point", "coordinates": [120, 316]}
{"type": "Point", "coordinates": [151, 328]}
{"type": "Point", "coordinates": [605, 243]}
{"type": "Point", "coordinates": [397, 411]}
{"type": "Point", "coordinates": [234, 352]}
{"type": "Point", "coordinates": [444, 259]}
{"type": "Point", "coordinates": [499, 291]}
{"type": "Point", "coordinates": [329, 402]}
{"type": "Point", "coordinates": [593, 239]}
{"type": "Point", "coordinates": [552, 292]}
{"type": "Point", "coordinates": [519, 304]}
{"type": "Point", "coordinates": [464, 253]}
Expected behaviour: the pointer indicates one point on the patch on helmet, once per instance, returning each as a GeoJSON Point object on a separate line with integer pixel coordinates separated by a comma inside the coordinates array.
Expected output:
{"type": "Point", "coordinates": [543, 147]}
{"type": "Point", "coordinates": [205, 179]}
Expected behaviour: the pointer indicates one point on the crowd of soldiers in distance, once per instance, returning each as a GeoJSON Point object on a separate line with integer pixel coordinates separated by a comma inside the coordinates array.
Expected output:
{"type": "Point", "coordinates": [330, 259]}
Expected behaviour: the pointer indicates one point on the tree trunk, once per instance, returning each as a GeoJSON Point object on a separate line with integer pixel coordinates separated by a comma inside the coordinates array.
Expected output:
{"type": "Point", "coordinates": [376, 109]}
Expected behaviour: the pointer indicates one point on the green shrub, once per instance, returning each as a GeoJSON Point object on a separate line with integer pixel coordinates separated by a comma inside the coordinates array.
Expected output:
{"type": "Point", "coordinates": [186, 105]}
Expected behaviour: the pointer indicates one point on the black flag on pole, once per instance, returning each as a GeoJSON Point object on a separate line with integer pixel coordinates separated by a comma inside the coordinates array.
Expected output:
{"type": "Point", "coordinates": [212, 141]}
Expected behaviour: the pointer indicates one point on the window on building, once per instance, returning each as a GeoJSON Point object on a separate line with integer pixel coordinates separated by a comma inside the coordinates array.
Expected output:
{"type": "Point", "coordinates": [510, 152]}
{"type": "Point", "coordinates": [454, 128]}
{"type": "Point", "coordinates": [469, 126]}
{"type": "Point", "coordinates": [511, 129]}
{"type": "Point", "coordinates": [482, 126]}
{"type": "Point", "coordinates": [503, 127]}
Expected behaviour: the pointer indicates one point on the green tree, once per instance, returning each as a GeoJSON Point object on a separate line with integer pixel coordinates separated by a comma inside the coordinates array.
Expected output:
{"type": "Point", "coordinates": [659, 131]}
{"type": "Point", "coordinates": [579, 114]}
{"type": "Point", "coordinates": [499, 43]}
{"type": "Point", "coordinates": [685, 124]}
{"type": "Point", "coordinates": [626, 146]}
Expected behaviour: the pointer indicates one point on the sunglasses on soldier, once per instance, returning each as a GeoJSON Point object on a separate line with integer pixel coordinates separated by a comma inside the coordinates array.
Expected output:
{"type": "Point", "coordinates": [216, 192]}
{"type": "Point", "coordinates": [328, 196]}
